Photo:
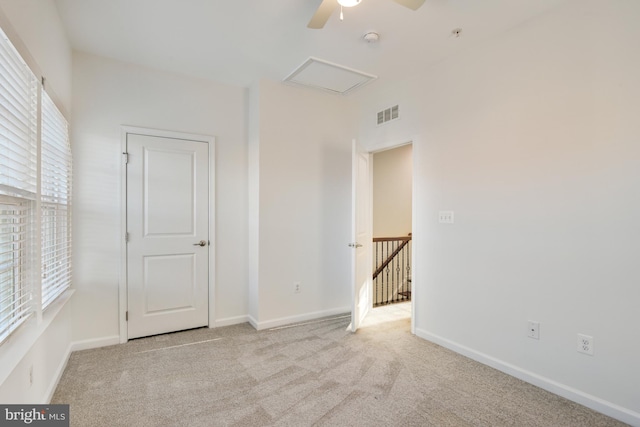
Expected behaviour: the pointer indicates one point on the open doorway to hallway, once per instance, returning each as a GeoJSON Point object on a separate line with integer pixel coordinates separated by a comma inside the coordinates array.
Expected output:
{"type": "Point", "coordinates": [392, 179]}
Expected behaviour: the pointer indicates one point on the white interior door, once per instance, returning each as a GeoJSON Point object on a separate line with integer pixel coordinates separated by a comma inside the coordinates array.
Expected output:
{"type": "Point", "coordinates": [361, 235]}
{"type": "Point", "coordinates": [168, 234]}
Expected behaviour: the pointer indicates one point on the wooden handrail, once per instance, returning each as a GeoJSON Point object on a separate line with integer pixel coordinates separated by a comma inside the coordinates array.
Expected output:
{"type": "Point", "coordinates": [390, 239]}
{"type": "Point", "coordinates": [404, 241]}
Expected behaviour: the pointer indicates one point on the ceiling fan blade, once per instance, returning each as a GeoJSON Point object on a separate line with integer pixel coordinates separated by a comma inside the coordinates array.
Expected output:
{"type": "Point", "coordinates": [411, 4]}
{"type": "Point", "coordinates": [322, 15]}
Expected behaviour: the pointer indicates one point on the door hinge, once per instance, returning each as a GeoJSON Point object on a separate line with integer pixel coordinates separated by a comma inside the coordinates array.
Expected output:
{"type": "Point", "coordinates": [125, 157]}
{"type": "Point", "coordinates": [126, 237]}
{"type": "Point", "coordinates": [126, 316]}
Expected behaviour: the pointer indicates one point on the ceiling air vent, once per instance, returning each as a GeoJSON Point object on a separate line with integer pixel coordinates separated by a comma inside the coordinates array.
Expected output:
{"type": "Point", "coordinates": [384, 116]}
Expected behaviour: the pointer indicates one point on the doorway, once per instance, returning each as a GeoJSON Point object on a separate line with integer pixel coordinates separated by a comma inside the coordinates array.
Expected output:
{"type": "Point", "coordinates": [395, 180]}
{"type": "Point", "coordinates": [392, 206]}
{"type": "Point", "coordinates": [167, 252]}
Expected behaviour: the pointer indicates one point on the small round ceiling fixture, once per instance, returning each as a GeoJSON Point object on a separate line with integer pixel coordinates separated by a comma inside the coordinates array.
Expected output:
{"type": "Point", "coordinates": [349, 3]}
{"type": "Point", "coordinates": [371, 37]}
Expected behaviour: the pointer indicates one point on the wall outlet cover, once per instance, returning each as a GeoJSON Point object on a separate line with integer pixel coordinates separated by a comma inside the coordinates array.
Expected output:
{"type": "Point", "coordinates": [533, 330]}
{"type": "Point", "coordinates": [585, 344]}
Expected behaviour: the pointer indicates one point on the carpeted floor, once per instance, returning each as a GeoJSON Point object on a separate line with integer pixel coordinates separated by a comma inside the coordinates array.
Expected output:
{"type": "Point", "coordinates": [311, 374]}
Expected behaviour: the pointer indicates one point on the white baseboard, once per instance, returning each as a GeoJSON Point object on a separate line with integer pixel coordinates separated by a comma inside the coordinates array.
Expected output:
{"type": "Point", "coordinates": [95, 343]}
{"type": "Point", "coordinates": [230, 321]}
{"type": "Point", "coordinates": [274, 323]}
{"type": "Point", "coordinates": [58, 376]}
{"type": "Point", "coordinates": [605, 407]}
{"type": "Point", "coordinates": [253, 322]}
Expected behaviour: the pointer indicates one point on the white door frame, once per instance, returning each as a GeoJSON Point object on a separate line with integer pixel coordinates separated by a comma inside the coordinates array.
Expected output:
{"type": "Point", "coordinates": [122, 289]}
{"type": "Point", "coordinates": [415, 248]}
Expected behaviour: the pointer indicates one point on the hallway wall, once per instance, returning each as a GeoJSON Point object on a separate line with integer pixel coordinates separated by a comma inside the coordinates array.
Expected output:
{"type": "Point", "coordinates": [392, 191]}
{"type": "Point", "coordinates": [531, 139]}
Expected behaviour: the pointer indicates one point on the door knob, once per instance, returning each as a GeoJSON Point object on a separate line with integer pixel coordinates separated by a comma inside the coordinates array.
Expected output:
{"type": "Point", "coordinates": [201, 243]}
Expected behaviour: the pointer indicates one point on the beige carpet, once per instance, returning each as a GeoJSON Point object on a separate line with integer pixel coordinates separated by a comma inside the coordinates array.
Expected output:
{"type": "Point", "coordinates": [312, 374]}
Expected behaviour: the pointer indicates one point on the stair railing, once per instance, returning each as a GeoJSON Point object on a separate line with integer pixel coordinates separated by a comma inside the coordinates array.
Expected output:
{"type": "Point", "coordinates": [392, 274]}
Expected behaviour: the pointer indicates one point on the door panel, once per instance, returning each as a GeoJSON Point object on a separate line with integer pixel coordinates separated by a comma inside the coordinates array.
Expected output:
{"type": "Point", "coordinates": [361, 234]}
{"type": "Point", "coordinates": [164, 191]}
{"type": "Point", "coordinates": [169, 283]}
{"type": "Point", "coordinates": [167, 216]}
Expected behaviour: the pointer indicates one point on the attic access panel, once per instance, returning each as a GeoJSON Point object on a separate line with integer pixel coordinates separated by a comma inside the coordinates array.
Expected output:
{"type": "Point", "coordinates": [327, 76]}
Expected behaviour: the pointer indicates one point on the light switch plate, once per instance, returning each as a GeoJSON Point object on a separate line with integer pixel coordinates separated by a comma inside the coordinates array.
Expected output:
{"type": "Point", "coordinates": [445, 217]}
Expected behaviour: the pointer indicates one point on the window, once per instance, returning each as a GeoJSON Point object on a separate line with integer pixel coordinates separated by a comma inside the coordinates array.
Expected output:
{"type": "Point", "coordinates": [26, 232]}
{"type": "Point", "coordinates": [55, 201]}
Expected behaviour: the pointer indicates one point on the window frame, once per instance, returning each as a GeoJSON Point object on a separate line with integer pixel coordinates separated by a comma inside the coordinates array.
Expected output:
{"type": "Point", "coordinates": [21, 174]}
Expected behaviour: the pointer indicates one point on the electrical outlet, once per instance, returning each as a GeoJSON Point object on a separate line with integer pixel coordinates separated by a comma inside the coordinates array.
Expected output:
{"type": "Point", "coordinates": [296, 287]}
{"type": "Point", "coordinates": [30, 375]}
{"type": "Point", "coordinates": [445, 217]}
{"type": "Point", "coordinates": [534, 330]}
{"type": "Point", "coordinates": [585, 344]}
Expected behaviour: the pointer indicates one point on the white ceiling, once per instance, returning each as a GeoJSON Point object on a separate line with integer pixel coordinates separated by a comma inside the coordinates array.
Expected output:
{"type": "Point", "coordinates": [239, 41]}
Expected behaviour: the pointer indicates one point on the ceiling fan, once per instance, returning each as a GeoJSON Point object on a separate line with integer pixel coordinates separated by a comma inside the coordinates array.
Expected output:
{"type": "Point", "coordinates": [327, 7]}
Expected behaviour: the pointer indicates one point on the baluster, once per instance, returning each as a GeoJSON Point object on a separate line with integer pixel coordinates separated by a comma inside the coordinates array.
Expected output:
{"type": "Point", "coordinates": [375, 283]}
{"type": "Point", "coordinates": [409, 268]}
{"type": "Point", "coordinates": [386, 274]}
{"type": "Point", "coordinates": [394, 294]}
{"type": "Point", "coordinates": [403, 282]}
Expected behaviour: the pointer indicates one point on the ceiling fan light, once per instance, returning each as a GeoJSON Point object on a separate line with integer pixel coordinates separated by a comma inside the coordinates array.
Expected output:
{"type": "Point", "coordinates": [348, 3]}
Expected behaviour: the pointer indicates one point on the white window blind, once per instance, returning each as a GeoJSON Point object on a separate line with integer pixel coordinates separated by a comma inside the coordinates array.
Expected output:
{"type": "Point", "coordinates": [18, 185]}
{"type": "Point", "coordinates": [18, 123]}
{"type": "Point", "coordinates": [55, 202]}
{"type": "Point", "coordinates": [15, 257]}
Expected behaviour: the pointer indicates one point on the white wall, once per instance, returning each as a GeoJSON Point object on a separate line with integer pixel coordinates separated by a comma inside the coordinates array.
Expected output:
{"type": "Point", "coordinates": [106, 95]}
{"type": "Point", "coordinates": [532, 139]}
{"type": "Point", "coordinates": [392, 184]}
{"type": "Point", "coordinates": [41, 345]}
{"type": "Point", "coordinates": [303, 161]}
{"type": "Point", "coordinates": [43, 358]}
